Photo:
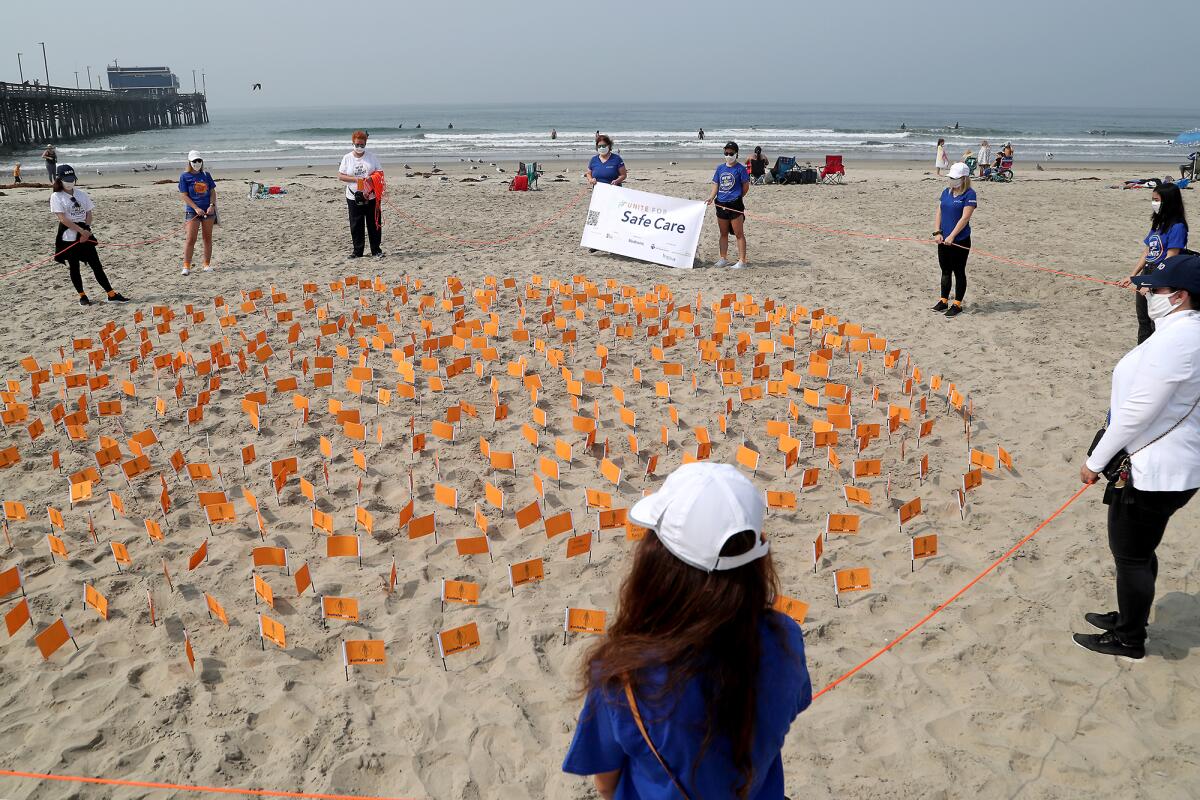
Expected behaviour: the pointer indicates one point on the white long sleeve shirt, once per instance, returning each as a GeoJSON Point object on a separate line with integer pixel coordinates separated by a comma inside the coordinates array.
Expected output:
{"type": "Point", "coordinates": [1153, 388]}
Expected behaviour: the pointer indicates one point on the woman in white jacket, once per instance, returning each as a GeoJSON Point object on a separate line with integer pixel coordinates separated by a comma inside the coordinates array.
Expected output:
{"type": "Point", "coordinates": [1153, 416]}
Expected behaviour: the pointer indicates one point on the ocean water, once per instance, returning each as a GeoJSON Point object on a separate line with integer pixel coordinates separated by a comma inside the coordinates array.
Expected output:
{"type": "Point", "coordinates": [319, 136]}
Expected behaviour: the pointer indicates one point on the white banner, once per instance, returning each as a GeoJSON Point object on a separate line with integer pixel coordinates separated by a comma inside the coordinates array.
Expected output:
{"type": "Point", "coordinates": [651, 227]}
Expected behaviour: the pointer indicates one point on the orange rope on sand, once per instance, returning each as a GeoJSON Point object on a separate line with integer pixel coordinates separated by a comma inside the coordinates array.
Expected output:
{"type": "Point", "coordinates": [44, 262]}
{"type": "Point", "coordinates": [541, 226]}
{"type": "Point", "coordinates": [186, 788]}
{"type": "Point", "coordinates": [833, 684]}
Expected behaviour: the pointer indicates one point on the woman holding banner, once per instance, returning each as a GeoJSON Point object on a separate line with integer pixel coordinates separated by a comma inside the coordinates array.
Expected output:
{"type": "Point", "coordinates": [606, 166]}
{"type": "Point", "coordinates": [730, 184]}
{"type": "Point", "coordinates": [691, 691]}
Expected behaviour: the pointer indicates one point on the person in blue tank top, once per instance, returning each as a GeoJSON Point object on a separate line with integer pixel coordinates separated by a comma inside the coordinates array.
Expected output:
{"type": "Point", "coordinates": [1168, 237]}
{"type": "Point", "coordinates": [953, 236]}
{"type": "Point", "coordinates": [692, 689]}
{"type": "Point", "coordinates": [730, 183]}
{"type": "Point", "coordinates": [199, 192]}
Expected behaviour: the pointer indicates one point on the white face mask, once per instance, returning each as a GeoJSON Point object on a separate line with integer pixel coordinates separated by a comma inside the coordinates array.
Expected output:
{"type": "Point", "coordinates": [69, 185]}
{"type": "Point", "coordinates": [602, 150]}
{"type": "Point", "coordinates": [730, 160]}
{"type": "Point", "coordinates": [956, 183]}
{"type": "Point", "coordinates": [359, 149]}
{"type": "Point", "coordinates": [1160, 305]}
{"type": "Point", "coordinates": [1155, 205]}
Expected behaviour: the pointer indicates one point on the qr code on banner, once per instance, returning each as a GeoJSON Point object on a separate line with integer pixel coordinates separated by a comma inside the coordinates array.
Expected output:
{"type": "Point", "coordinates": [593, 218]}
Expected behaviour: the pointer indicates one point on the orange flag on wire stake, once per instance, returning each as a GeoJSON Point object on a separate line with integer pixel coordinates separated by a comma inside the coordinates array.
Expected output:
{"type": "Point", "coordinates": [457, 640]}
{"type": "Point", "coordinates": [583, 620]}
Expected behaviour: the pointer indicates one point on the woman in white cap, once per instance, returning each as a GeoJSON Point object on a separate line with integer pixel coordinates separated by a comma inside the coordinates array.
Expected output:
{"type": "Point", "coordinates": [74, 243]}
{"type": "Point", "coordinates": [952, 232]}
{"type": "Point", "coordinates": [1149, 451]}
{"type": "Point", "coordinates": [199, 192]}
{"type": "Point", "coordinates": [691, 691]}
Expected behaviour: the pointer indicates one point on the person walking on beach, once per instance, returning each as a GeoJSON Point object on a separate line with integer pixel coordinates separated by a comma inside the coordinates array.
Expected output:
{"type": "Point", "coordinates": [74, 243]}
{"type": "Point", "coordinates": [50, 155]}
{"type": "Point", "coordinates": [1168, 237]}
{"type": "Point", "coordinates": [355, 171]}
{"type": "Point", "coordinates": [17, 172]}
{"type": "Point", "coordinates": [1153, 418]}
{"type": "Point", "coordinates": [953, 236]}
{"type": "Point", "coordinates": [199, 192]}
{"type": "Point", "coordinates": [940, 160]}
{"type": "Point", "coordinates": [730, 183]}
{"type": "Point", "coordinates": [691, 691]}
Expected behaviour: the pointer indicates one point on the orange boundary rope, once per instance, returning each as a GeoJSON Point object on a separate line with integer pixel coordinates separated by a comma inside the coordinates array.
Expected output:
{"type": "Point", "coordinates": [833, 684]}
{"type": "Point", "coordinates": [44, 262]}
{"type": "Point", "coordinates": [186, 788]}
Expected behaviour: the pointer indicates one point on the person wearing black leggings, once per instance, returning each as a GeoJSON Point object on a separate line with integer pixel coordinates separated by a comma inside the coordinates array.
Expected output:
{"type": "Point", "coordinates": [1153, 417]}
{"type": "Point", "coordinates": [953, 235]}
{"type": "Point", "coordinates": [74, 243]}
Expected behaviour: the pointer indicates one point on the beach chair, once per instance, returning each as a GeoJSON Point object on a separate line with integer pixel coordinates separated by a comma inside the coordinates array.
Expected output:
{"type": "Point", "coordinates": [833, 171]}
{"type": "Point", "coordinates": [971, 163]}
{"type": "Point", "coordinates": [783, 165]}
{"type": "Point", "coordinates": [531, 171]}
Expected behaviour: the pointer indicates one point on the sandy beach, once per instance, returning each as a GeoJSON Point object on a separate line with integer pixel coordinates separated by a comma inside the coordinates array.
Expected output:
{"type": "Point", "coordinates": [990, 700]}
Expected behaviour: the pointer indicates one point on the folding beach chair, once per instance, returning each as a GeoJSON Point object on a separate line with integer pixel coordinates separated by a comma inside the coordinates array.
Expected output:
{"type": "Point", "coordinates": [783, 164]}
{"type": "Point", "coordinates": [833, 171]}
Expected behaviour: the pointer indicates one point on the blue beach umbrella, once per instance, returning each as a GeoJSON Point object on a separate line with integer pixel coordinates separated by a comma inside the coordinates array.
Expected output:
{"type": "Point", "coordinates": [1188, 138]}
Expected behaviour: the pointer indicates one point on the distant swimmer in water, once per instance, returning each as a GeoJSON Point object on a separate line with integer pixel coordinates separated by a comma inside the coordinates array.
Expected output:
{"type": "Point", "coordinates": [450, 126]}
{"type": "Point", "coordinates": [553, 133]}
{"type": "Point", "coordinates": [701, 134]}
{"type": "Point", "coordinates": [418, 126]}
{"type": "Point", "coordinates": [955, 126]}
{"type": "Point", "coordinates": [903, 127]}
{"type": "Point", "coordinates": [256, 87]}
{"type": "Point", "coordinates": [400, 126]}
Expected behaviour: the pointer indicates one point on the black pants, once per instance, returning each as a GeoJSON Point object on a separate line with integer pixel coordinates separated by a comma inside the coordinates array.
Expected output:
{"type": "Point", "coordinates": [953, 261]}
{"type": "Point", "coordinates": [1136, 524]}
{"type": "Point", "coordinates": [97, 270]}
{"type": "Point", "coordinates": [1145, 324]}
{"type": "Point", "coordinates": [360, 216]}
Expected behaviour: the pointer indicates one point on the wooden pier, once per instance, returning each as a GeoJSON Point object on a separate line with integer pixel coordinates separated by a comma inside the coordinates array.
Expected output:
{"type": "Point", "coordinates": [32, 116]}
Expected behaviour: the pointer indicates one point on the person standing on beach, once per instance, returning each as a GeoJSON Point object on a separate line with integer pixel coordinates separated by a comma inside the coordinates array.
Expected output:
{"type": "Point", "coordinates": [199, 192]}
{"type": "Point", "coordinates": [606, 166]}
{"type": "Point", "coordinates": [17, 172]}
{"type": "Point", "coordinates": [355, 171]}
{"type": "Point", "coordinates": [730, 183]}
{"type": "Point", "coordinates": [940, 160]}
{"type": "Point", "coordinates": [74, 243]}
{"type": "Point", "coordinates": [1168, 237]}
{"type": "Point", "coordinates": [691, 691]}
{"type": "Point", "coordinates": [1153, 418]}
{"type": "Point", "coordinates": [50, 155]}
{"type": "Point", "coordinates": [953, 236]}
{"type": "Point", "coordinates": [984, 158]}
{"type": "Point", "coordinates": [701, 135]}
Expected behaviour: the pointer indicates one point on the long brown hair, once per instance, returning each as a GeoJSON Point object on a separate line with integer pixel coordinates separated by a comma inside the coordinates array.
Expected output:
{"type": "Point", "coordinates": [704, 625]}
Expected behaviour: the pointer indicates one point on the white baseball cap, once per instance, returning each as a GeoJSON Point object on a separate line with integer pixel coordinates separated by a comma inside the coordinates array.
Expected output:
{"type": "Point", "coordinates": [957, 171]}
{"type": "Point", "coordinates": [195, 156]}
{"type": "Point", "coordinates": [697, 509]}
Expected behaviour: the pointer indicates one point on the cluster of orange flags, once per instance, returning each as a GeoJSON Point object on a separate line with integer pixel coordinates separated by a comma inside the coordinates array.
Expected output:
{"type": "Point", "coordinates": [359, 382]}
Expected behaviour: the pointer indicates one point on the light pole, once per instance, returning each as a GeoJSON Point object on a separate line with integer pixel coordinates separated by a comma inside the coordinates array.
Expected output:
{"type": "Point", "coordinates": [20, 69]}
{"type": "Point", "coordinates": [194, 89]}
{"type": "Point", "coordinates": [204, 83]}
{"type": "Point", "coordinates": [45, 63]}
{"type": "Point", "coordinates": [76, 79]}
{"type": "Point", "coordinates": [89, 77]}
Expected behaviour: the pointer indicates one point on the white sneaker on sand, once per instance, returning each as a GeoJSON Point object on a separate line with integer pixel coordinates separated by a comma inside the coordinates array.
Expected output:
{"type": "Point", "coordinates": [721, 262]}
{"type": "Point", "coordinates": [185, 271]}
{"type": "Point", "coordinates": [737, 265]}
{"type": "Point", "coordinates": [207, 268]}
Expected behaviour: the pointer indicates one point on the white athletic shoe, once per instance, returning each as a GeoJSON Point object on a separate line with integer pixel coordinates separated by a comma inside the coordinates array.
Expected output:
{"type": "Point", "coordinates": [721, 262]}
{"type": "Point", "coordinates": [737, 265]}
{"type": "Point", "coordinates": [185, 271]}
{"type": "Point", "coordinates": [207, 268]}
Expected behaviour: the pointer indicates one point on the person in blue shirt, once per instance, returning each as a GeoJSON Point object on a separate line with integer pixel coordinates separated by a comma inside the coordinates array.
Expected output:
{"type": "Point", "coordinates": [606, 166]}
{"type": "Point", "coordinates": [730, 183]}
{"type": "Point", "coordinates": [199, 192]}
{"type": "Point", "coordinates": [691, 691]}
{"type": "Point", "coordinates": [953, 236]}
{"type": "Point", "coordinates": [1168, 237]}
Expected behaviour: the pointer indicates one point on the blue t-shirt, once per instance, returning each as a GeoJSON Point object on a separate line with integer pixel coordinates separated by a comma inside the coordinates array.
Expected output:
{"type": "Point", "coordinates": [1158, 243]}
{"type": "Point", "coordinates": [198, 186]}
{"type": "Point", "coordinates": [606, 171]}
{"type": "Point", "coordinates": [953, 207]}
{"type": "Point", "coordinates": [731, 182]}
{"type": "Point", "coordinates": [607, 738]}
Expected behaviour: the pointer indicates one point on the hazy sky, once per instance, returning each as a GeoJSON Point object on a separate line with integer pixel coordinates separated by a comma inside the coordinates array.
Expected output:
{"type": "Point", "coordinates": [326, 52]}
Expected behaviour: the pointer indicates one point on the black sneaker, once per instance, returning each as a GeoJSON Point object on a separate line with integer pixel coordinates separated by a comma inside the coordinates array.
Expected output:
{"type": "Point", "coordinates": [941, 306]}
{"type": "Point", "coordinates": [118, 298]}
{"type": "Point", "coordinates": [1110, 644]}
{"type": "Point", "coordinates": [84, 301]}
{"type": "Point", "coordinates": [954, 310]}
{"type": "Point", "coordinates": [380, 254]}
{"type": "Point", "coordinates": [591, 249]}
{"type": "Point", "coordinates": [1105, 622]}
{"type": "Point", "coordinates": [355, 255]}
